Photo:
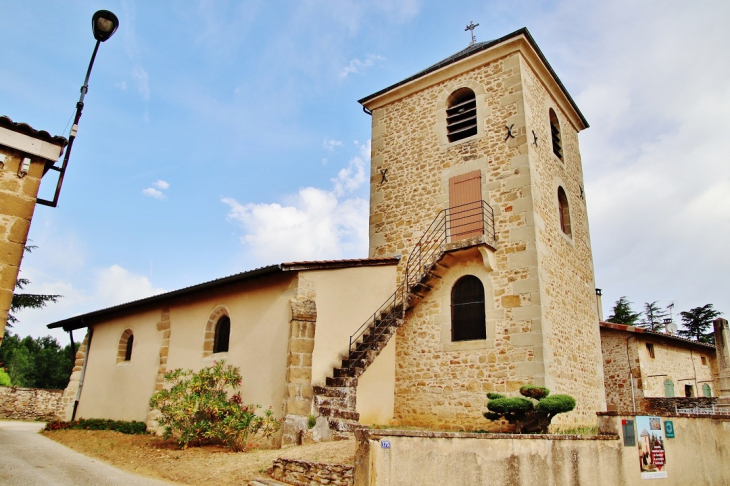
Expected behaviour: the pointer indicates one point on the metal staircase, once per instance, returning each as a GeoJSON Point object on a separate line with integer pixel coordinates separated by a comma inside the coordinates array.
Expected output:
{"type": "Point", "coordinates": [470, 224]}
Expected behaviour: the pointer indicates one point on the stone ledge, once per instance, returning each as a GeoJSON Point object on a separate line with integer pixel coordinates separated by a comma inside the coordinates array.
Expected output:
{"type": "Point", "coordinates": [365, 434]}
{"type": "Point", "coordinates": [668, 415]}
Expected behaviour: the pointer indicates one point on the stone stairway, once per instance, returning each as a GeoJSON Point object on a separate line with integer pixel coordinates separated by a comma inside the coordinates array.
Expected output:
{"type": "Point", "coordinates": [336, 401]}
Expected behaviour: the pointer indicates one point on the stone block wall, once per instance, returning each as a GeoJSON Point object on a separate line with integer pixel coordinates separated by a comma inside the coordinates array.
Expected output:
{"type": "Point", "coordinates": [30, 403]}
{"type": "Point", "coordinates": [298, 401]}
{"type": "Point", "coordinates": [620, 359]}
{"type": "Point", "coordinates": [542, 299]}
{"type": "Point", "coordinates": [17, 204]}
{"type": "Point", "coordinates": [669, 406]}
{"type": "Point", "coordinates": [305, 473]}
{"type": "Point", "coordinates": [569, 325]}
{"type": "Point", "coordinates": [69, 394]}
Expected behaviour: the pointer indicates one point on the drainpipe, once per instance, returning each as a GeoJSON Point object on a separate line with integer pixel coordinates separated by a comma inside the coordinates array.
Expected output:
{"type": "Point", "coordinates": [83, 372]}
{"type": "Point", "coordinates": [631, 373]}
{"type": "Point", "coordinates": [73, 348]}
{"type": "Point", "coordinates": [599, 305]}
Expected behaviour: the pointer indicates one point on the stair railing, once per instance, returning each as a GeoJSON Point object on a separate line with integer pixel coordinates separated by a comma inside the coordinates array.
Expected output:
{"type": "Point", "coordinates": [452, 224]}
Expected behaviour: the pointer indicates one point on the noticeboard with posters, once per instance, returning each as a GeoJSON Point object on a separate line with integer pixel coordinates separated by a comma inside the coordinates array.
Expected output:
{"type": "Point", "coordinates": [652, 458]}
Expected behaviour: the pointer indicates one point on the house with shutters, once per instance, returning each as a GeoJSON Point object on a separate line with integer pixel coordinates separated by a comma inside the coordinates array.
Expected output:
{"type": "Point", "coordinates": [479, 276]}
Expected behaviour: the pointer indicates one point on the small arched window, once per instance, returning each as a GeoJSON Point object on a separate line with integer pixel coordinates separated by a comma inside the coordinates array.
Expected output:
{"type": "Point", "coordinates": [564, 212]}
{"type": "Point", "coordinates": [555, 135]}
{"type": "Point", "coordinates": [668, 388]}
{"type": "Point", "coordinates": [222, 333]}
{"type": "Point", "coordinates": [467, 310]}
{"type": "Point", "coordinates": [124, 350]}
{"type": "Point", "coordinates": [706, 390]}
{"type": "Point", "coordinates": [461, 114]}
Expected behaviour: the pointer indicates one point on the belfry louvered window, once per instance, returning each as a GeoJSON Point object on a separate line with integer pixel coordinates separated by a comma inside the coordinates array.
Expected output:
{"type": "Point", "coordinates": [461, 115]}
{"type": "Point", "coordinates": [555, 135]}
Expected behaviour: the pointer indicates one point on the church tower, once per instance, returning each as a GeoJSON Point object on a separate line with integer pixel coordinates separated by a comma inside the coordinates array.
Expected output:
{"type": "Point", "coordinates": [476, 164]}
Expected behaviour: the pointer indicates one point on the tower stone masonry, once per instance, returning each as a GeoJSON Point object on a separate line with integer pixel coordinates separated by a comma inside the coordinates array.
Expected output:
{"type": "Point", "coordinates": [540, 312]}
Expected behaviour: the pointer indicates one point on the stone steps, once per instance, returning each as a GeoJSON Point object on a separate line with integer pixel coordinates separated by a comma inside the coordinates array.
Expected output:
{"type": "Point", "coordinates": [337, 399]}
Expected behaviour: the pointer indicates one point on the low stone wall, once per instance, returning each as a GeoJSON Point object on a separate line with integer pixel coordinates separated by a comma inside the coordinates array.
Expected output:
{"type": "Point", "coordinates": [698, 454]}
{"type": "Point", "coordinates": [305, 473]}
{"type": "Point", "coordinates": [662, 405]}
{"type": "Point", "coordinates": [29, 403]}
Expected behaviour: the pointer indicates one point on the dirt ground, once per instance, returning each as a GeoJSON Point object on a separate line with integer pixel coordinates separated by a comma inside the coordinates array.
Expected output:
{"type": "Point", "coordinates": [151, 456]}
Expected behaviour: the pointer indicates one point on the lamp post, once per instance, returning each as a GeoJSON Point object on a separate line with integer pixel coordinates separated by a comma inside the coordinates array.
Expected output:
{"type": "Point", "coordinates": [103, 24]}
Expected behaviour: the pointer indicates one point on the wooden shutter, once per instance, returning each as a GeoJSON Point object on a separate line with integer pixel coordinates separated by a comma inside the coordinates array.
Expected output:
{"type": "Point", "coordinates": [465, 206]}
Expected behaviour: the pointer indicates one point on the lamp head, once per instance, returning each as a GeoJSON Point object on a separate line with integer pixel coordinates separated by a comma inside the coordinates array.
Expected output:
{"type": "Point", "coordinates": [104, 23]}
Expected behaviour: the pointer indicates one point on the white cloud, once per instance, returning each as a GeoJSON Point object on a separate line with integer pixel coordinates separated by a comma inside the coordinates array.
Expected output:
{"type": "Point", "coordinates": [110, 286]}
{"type": "Point", "coordinates": [330, 145]}
{"type": "Point", "coordinates": [160, 184]}
{"type": "Point", "coordinates": [356, 66]}
{"type": "Point", "coordinates": [143, 81]}
{"type": "Point", "coordinates": [154, 193]}
{"type": "Point", "coordinates": [316, 223]}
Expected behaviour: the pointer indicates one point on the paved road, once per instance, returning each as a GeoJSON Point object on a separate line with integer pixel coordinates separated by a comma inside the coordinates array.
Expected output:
{"type": "Point", "coordinates": [27, 458]}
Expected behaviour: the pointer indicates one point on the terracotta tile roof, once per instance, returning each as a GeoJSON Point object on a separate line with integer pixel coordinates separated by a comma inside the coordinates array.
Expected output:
{"type": "Point", "coordinates": [638, 330]}
{"type": "Point", "coordinates": [26, 129]}
{"type": "Point", "coordinates": [84, 320]}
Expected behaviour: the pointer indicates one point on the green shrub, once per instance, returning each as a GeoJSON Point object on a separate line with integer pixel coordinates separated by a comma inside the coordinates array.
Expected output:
{"type": "Point", "coordinates": [526, 415]}
{"type": "Point", "coordinates": [122, 426]}
{"type": "Point", "coordinates": [556, 404]}
{"type": "Point", "coordinates": [311, 421]}
{"type": "Point", "coordinates": [4, 378]}
{"type": "Point", "coordinates": [197, 409]}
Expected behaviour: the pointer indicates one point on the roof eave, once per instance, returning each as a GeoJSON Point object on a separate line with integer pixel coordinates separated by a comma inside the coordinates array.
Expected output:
{"type": "Point", "coordinates": [411, 84]}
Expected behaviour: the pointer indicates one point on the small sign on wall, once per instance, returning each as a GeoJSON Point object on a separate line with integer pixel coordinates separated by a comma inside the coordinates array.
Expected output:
{"type": "Point", "coordinates": [669, 429]}
{"type": "Point", "coordinates": [385, 444]}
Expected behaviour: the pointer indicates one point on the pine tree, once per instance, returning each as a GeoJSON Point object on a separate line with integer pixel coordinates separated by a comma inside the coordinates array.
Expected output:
{"type": "Point", "coordinates": [622, 313]}
{"type": "Point", "coordinates": [27, 301]}
{"type": "Point", "coordinates": [697, 321]}
{"type": "Point", "coordinates": [653, 317]}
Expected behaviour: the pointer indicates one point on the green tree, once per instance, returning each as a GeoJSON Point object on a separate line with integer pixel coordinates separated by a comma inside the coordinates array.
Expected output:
{"type": "Point", "coordinates": [653, 317]}
{"type": "Point", "coordinates": [697, 321]}
{"type": "Point", "coordinates": [36, 363]}
{"type": "Point", "coordinates": [622, 313]}
{"type": "Point", "coordinates": [529, 415]}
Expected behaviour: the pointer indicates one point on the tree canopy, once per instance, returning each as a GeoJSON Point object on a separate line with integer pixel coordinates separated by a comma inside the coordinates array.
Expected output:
{"type": "Point", "coordinates": [622, 313]}
{"type": "Point", "coordinates": [696, 323]}
{"type": "Point", "coordinates": [653, 317]}
{"type": "Point", "coordinates": [36, 363]}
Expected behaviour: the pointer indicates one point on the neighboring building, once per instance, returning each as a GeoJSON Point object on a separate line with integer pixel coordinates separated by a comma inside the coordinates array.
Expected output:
{"type": "Point", "coordinates": [641, 364]}
{"type": "Point", "coordinates": [476, 179]}
{"type": "Point", "coordinates": [26, 155]}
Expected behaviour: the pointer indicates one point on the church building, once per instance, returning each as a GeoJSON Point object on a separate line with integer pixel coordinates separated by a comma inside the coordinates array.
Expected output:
{"type": "Point", "coordinates": [479, 276]}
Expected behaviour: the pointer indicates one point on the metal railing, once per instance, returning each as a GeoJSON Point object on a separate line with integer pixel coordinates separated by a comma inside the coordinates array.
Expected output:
{"type": "Point", "coordinates": [452, 224]}
{"type": "Point", "coordinates": [713, 410]}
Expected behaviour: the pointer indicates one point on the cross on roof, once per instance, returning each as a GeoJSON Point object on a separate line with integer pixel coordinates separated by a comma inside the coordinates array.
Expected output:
{"type": "Point", "coordinates": [471, 27]}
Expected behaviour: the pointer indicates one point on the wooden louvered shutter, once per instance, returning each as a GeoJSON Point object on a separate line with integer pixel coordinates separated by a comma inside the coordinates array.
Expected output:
{"type": "Point", "coordinates": [465, 203]}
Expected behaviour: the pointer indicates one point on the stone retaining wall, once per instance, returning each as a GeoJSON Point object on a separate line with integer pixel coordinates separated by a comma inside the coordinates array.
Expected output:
{"type": "Point", "coordinates": [305, 473]}
{"type": "Point", "coordinates": [662, 406]}
{"type": "Point", "coordinates": [30, 403]}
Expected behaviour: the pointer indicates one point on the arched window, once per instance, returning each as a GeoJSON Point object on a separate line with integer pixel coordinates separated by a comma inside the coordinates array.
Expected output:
{"type": "Point", "coordinates": [555, 135]}
{"type": "Point", "coordinates": [564, 212]}
{"type": "Point", "coordinates": [706, 390]}
{"type": "Point", "coordinates": [124, 350]}
{"type": "Point", "coordinates": [467, 310]}
{"type": "Point", "coordinates": [222, 333]}
{"type": "Point", "coordinates": [668, 388]}
{"type": "Point", "coordinates": [461, 114]}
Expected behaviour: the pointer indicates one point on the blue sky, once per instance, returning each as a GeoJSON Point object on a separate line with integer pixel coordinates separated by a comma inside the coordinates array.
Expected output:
{"type": "Point", "coordinates": [223, 136]}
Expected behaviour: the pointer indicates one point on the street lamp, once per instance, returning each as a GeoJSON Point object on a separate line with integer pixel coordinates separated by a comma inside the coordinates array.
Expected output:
{"type": "Point", "coordinates": [103, 24]}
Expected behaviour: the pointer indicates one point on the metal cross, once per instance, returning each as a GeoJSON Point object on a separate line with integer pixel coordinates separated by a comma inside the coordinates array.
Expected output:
{"type": "Point", "coordinates": [471, 27]}
{"type": "Point", "coordinates": [383, 172]}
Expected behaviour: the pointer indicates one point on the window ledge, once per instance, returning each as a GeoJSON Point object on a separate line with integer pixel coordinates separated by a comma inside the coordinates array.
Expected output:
{"type": "Point", "coordinates": [468, 345]}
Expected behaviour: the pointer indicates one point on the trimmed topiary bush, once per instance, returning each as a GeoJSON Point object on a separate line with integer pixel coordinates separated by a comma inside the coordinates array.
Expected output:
{"type": "Point", "coordinates": [526, 415]}
{"type": "Point", "coordinates": [4, 378]}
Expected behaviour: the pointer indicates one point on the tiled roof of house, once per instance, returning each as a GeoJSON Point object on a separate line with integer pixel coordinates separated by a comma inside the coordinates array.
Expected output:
{"type": "Point", "coordinates": [26, 129]}
{"type": "Point", "coordinates": [80, 321]}
{"type": "Point", "coordinates": [478, 47]}
{"type": "Point", "coordinates": [638, 330]}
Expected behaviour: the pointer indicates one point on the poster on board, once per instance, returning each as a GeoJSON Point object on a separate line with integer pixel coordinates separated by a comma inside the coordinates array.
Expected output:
{"type": "Point", "coordinates": [652, 459]}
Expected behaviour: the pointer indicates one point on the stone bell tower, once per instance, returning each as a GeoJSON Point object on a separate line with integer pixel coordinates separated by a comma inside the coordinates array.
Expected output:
{"type": "Point", "coordinates": [490, 127]}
